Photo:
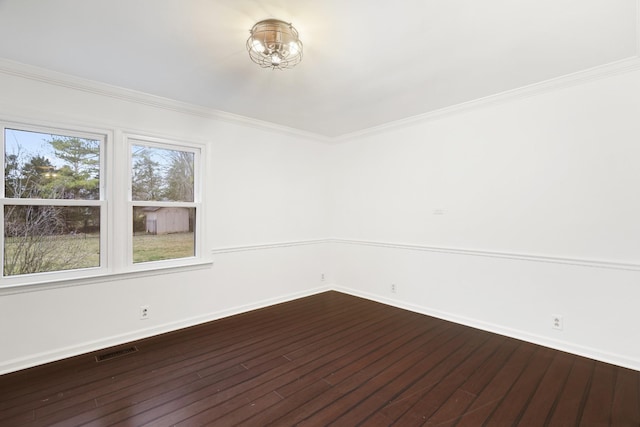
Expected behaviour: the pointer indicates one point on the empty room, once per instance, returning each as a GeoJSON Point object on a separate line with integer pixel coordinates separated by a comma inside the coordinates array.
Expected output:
{"type": "Point", "coordinates": [285, 212]}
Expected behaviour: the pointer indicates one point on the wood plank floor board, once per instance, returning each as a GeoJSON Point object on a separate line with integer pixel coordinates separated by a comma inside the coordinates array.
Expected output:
{"type": "Point", "coordinates": [252, 372]}
{"type": "Point", "coordinates": [513, 405]}
{"type": "Point", "coordinates": [266, 416]}
{"type": "Point", "coordinates": [382, 387]}
{"type": "Point", "coordinates": [45, 373]}
{"type": "Point", "coordinates": [326, 353]}
{"type": "Point", "coordinates": [49, 390]}
{"type": "Point", "coordinates": [542, 402]}
{"type": "Point", "coordinates": [426, 375]}
{"type": "Point", "coordinates": [201, 404]}
{"type": "Point", "coordinates": [351, 377]}
{"type": "Point", "coordinates": [352, 349]}
{"type": "Point", "coordinates": [289, 342]}
{"type": "Point", "coordinates": [597, 409]}
{"type": "Point", "coordinates": [158, 403]}
{"type": "Point", "coordinates": [314, 377]}
{"type": "Point", "coordinates": [627, 393]}
{"type": "Point", "coordinates": [473, 384]}
{"type": "Point", "coordinates": [388, 395]}
{"type": "Point", "coordinates": [423, 375]}
{"type": "Point", "coordinates": [211, 363]}
{"type": "Point", "coordinates": [121, 387]}
{"type": "Point", "coordinates": [457, 405]}
{"type": "Point", "coordinates": [449, 413]}
{"type": "Point", "coordinates": [19, 418]}
{"type": "Point", "coordinates": [388, 351]}
{"type": "Point", "coordinates": [327, 359]}
{"type": "Point", "coordinates": [568, 408]}
{"type": "Point", "coordinates": [267, 384]}
{"type": "Point", "coordinates": [491, 396]}
{"type": "Point", "coordinates": [427, 396]}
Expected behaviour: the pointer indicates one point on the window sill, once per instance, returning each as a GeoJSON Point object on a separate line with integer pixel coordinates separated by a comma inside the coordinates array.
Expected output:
{"type": "Point", "coordinates": [136, 272]}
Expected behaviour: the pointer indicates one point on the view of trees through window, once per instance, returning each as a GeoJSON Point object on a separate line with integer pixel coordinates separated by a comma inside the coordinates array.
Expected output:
{"type": "Point", "coordinates": [52, 220]}
{"type": "Point", "coordinates": [161, 174]}
{"type": "Point", "coordinates": [53, 204]}
{"type": "Point", "coordinates": [163, 229]}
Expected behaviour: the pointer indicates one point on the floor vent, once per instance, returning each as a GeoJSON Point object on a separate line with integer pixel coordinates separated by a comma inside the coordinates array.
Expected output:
{"type": "Point", "coordinates": [117, 353]}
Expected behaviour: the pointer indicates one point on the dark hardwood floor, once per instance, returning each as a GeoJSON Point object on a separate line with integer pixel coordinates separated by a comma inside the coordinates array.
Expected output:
{"type": "Point", "coordinates": [326, 359]}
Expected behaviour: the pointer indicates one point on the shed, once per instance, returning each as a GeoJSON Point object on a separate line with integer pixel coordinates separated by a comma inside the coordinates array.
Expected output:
{"type": "Point", "coordinates": [166, 220]}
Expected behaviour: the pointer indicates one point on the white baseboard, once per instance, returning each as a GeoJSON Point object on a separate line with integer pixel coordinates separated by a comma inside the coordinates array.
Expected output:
{"type": "Point", "coordinates": [91, 346]}
{"type": "Point", "coordinates": [579, 350]}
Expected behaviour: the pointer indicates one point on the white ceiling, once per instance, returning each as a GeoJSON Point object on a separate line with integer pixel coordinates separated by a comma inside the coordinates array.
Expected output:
{"type": "Point", "coordinates": [365, 63]}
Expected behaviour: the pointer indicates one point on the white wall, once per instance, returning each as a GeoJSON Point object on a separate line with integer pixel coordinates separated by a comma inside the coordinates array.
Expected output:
{"type": "Point", "coordinates": [538, 216]}
{"type": "Point", "coordinates": [501, 216]}
{"type": "Point", "coordinates": [264, 187]}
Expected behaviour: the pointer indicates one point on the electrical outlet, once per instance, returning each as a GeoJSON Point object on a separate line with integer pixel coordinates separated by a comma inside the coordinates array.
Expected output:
{"type": "Point", "coordinates": [556, 322]}
{"type": "Point", "coordinates": [393, 288]}
{"type": "Point", "coordinates": [144, 312]}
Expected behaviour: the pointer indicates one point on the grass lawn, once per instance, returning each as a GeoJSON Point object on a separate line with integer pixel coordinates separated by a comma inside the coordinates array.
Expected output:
{"type": "Point", "coordinates": [56, 253]}
{"type": "Point", "coordinates": [149, 247]}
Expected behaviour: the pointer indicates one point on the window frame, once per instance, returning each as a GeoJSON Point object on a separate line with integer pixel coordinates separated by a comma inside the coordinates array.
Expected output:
{"type": "Point", "coordinates": [198, 150]}
{"type": "Point", "coordinates": [102, 202]}
{"type": "Point", "coordinates": [116, 208]}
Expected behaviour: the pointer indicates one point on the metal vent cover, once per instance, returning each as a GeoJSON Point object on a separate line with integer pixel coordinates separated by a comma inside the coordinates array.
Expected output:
{"type": "Point", "coordinates": [116, 353]}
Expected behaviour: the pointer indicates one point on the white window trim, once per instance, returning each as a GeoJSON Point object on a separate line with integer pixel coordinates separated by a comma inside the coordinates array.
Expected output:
{"type": "Point", "coordinates": [116, 220]}
{"type": "Point", "coordinates": [105, 138]}
{"type": "Point", "coordinates": [167, 144]}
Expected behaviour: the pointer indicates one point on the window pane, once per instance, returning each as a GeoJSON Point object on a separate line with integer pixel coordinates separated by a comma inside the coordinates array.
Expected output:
{"type": "Point", "coordinates": [50, 238]}
{"type": "Point", "coordinates": [159, 174]}
{"type": "Point", "coordinates": [163, 233]}
{"type": "Point", "coordinates": [45, 166]}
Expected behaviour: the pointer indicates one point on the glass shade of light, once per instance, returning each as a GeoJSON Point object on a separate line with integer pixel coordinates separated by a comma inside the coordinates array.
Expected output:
{"type": "Point", "coordinates": [274, 44]}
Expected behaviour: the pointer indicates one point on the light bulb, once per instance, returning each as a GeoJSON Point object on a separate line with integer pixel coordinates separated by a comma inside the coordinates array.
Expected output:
{"type": "Point", "coordinates": [293, 48]}
{"type": "Point", "coordinates": [275, 59]}
{"type": "Point", "coordinates": [257, 46]}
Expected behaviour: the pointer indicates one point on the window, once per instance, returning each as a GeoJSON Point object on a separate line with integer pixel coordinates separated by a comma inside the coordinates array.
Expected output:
{"type": "Point", "coordinates": [67, 207]}
{"type": "Point", "coordinates": [164, 200]}
{"type": "Point", "coordinates": [53, 201]}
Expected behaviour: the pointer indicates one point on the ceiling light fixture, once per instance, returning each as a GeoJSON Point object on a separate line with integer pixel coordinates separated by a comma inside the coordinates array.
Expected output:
{"type": "Point", "coordinates": [274, 44]}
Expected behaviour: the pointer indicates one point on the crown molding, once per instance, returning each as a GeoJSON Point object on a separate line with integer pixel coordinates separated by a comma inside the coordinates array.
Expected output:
{"type": "Point", "coordinates": [600, 72]}
{"type": "Point", "coordinates": [84, 85]}
{"type": "Point", "coordinates": [129, 95]}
